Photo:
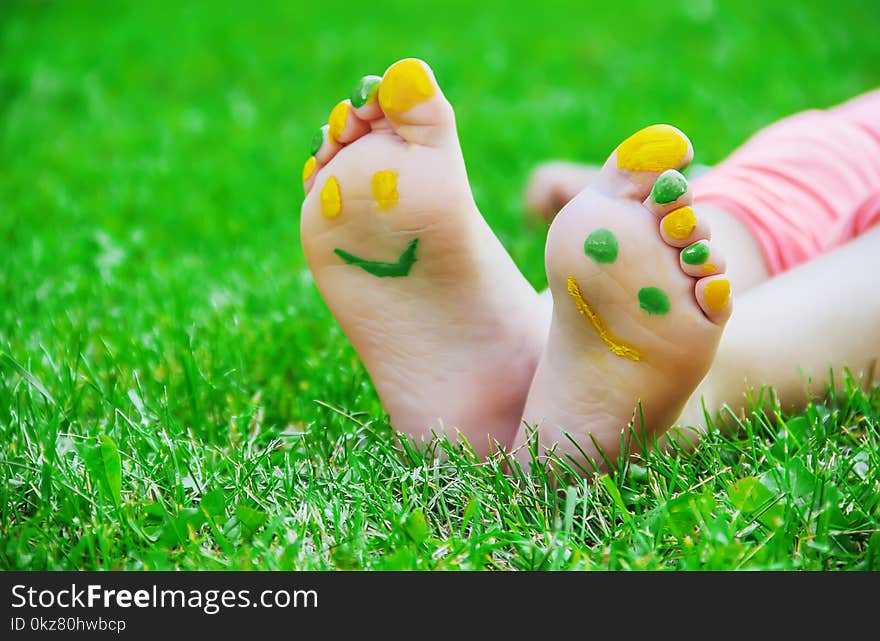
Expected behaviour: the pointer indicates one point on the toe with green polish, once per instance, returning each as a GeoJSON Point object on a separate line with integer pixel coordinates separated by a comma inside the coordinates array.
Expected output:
{"type": "Point", "coordinates": [601, 245]}
{"type": "Point", "coordinates": [365, 91]}
{"type": "Point", "coordinates": [669, 187]}
{"type": "Point", "coordinates": [695, 254]}
{"type": "Point", "coordinates": [654, 300]}
{"type": "Point", "coordinates": [317, 141]}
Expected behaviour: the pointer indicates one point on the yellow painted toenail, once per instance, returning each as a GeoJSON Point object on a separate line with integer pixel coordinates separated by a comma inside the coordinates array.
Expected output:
{"type": "Point", "coordinates": [309, 168]}
{"type": "Point", "coordinates": [331, 201]}
{"type": "Point", "coordinates": [611, 342]}
{"type": "Point", "coordinates": [680, 223]}
{"type": "Point", "coordinates": [708, 268]}
{"type": "Point", "coordinates": [717, 293]}
{"type": "Point", "coordinates": [654, 148]}
{"type": "Point", "coordinates": [385, 188]}
{"type": "Point", "coordinates": [405, 85]}
{"type": "Point", "coordinates": [337, 120]}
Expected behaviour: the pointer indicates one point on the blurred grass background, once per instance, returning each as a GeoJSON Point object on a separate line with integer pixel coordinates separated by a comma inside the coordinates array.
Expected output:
{"type": "Point", "coordinates": [150, 265]}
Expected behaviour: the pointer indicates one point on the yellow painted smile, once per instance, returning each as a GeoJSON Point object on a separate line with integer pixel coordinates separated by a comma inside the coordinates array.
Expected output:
{"type": "Point", "coordinates": [614, 344]}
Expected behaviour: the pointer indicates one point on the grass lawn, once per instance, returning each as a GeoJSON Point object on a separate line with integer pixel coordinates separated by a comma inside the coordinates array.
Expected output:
{"type": "Point", "coordinates": [173, 391]}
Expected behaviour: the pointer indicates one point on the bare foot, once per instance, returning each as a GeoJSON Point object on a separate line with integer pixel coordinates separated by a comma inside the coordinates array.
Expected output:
{"type": "Point", "coordinates": [444, 322]}
{"type": "Point", "coordinates": [552, 184]}
{"type": "Point", "coordinates": [640, 302]}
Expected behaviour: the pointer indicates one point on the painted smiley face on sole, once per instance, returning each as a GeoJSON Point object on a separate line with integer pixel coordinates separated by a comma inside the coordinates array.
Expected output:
{"type": "Point", "coordinates": [384, 184]}
{"type": "Point", "coordinates": [399, 268]}
{"type": "Point", "coordinates": [412, 273]}
{"type": "Point", "coordinates": [635, 321]}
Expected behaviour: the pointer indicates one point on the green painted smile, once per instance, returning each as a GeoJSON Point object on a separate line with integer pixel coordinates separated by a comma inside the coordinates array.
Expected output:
{"type": "Point", "coordinates": [394, 270]}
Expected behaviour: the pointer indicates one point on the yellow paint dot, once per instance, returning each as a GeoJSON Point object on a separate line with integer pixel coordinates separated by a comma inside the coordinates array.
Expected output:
{"type": "Point", "coordinates": [708, 268]}
{"type": "Point", "coordinates": [680, 223]}
{"type": "Point", "coordinates": [405, 85]}
{"type": "Point", "coordinates": [385, 188]}
{"type": "Point", "coordinates": [337, 120]}
{"type": "Point", "coordinates": [309, 168]}
{"type": "Point", "coordinates": [331, 201]}
{"type": "Point", "coordinates": [654, 148]}
{"type": "Point", "coordinates": [717, 293]}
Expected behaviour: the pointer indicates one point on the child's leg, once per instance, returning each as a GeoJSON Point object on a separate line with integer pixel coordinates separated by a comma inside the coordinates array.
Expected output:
{"type": "Point", "coordinates": [552, 184]}
{"type": "Point", "coordinates": [794, 183]}
{"type": "Point", "coordinates": [793, 330]}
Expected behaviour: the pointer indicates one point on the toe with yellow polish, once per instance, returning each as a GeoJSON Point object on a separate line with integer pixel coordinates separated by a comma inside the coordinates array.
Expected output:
{"type": "Point", "coordinates": [405, 85]}
{"type": "Point", "coordinates": [654, 148]}
{"type": "Point", "coordinates": [309, 168]}
{"type": "Point", "coordinates": [337, 120]}
{"type": "Point", "coordinates": [680, 223]}
{"type": "Point", "coordinates": [717, 294]}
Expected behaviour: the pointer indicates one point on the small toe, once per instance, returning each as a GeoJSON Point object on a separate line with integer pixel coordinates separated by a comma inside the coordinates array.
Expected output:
{"type": "Point", "coordinates": [344, 125]}
{"type": "Point", "coordinates": [365, 98]}
{"type": "Point", "coordinates": [713, 297]}
{"type": "Point", "coordinates": [669, 192]}
{"type": "Point", "coordinates": [681, 227]}
{"type": "Point", "coordinates": [324, 147]}
{"type": "Point", "coordinates": [309, 172]}
{"type": "Point", "coordinates": [701, 259]}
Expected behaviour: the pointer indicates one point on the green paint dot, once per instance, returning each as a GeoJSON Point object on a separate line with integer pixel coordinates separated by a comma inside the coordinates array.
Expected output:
{"type": "Point", "coordinates": [669, 186]}
{"type": "Point", "coordinates": [696, 254]}
{"type": "Point", "coordinates": [364, 90]}
{"type": "Point", "coordinates": [317, 141]}
{"type": "Point", "coordinates": [601, 246]}
{"type": "Point", "coordinates": [653, 300]}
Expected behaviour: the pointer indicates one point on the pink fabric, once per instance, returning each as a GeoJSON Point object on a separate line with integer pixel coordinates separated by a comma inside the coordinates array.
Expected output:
{"type": "Point", "coordinates": [866, 216]}
{"type": "Point", "coordinates": [805, 184]}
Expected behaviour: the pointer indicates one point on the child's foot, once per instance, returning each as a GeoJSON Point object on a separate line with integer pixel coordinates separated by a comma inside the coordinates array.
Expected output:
{"type": "Point", "coordinates": [552, 184]}
{"type": "Point", "coordinates": [444, 322]}
{"type": "Point", "coordinates": [640, 301]}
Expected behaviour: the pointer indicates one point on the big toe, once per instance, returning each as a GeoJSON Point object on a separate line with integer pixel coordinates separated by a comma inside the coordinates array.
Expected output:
{"type": "Point", "coordinates": [633, 168]}
{"type": "Point", "coordinates": [411, 99]}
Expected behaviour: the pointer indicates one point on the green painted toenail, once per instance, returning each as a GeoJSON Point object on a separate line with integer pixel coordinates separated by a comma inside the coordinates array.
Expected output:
{"type": "Point", "coordinates": [696, 254]}
{"type": "Point", "coordinates": [653, 300]}
{"type": "Point", "coordinates": [669, 186]}
{"type": "Point", "coordinates": [317, 141]}
{"type": "Point", "coordinates": [601, 246]}
{"type": "Point", "coordinates": [365, 91]}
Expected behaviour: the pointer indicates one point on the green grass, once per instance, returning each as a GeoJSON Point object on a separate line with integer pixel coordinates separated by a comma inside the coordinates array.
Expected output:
{"type": "Point", "coordinates": [174, 393]}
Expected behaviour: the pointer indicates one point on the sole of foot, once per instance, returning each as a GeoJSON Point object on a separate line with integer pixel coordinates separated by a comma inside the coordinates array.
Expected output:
{"type": "Point", "coordinates": [447, 327]}
{"type": "Point", "coordinates": [640, 303]}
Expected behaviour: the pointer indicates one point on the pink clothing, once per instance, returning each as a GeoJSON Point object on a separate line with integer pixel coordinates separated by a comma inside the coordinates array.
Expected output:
{"type": "Point", "coordinates": [805, 184]}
